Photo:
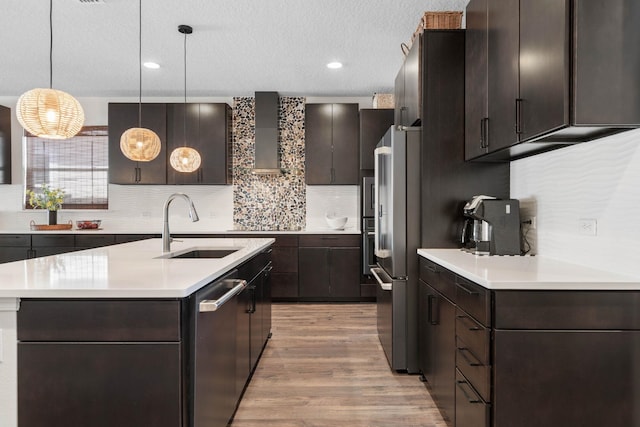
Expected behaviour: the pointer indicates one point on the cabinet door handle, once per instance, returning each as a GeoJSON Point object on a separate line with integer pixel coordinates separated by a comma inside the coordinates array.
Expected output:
{"type": "Point", "coordinates": [519, 116]}
{"type": "Point", "coordinates": [432, 269]}
{"type": "Point", "coordinates": [463, 351]}
{"type": "Point", "coordinates": [138, 174]}
{"type": "Point", "coordinates": [470, 399]}
{"type": "Point", "coordinates": [433, 309]}
{"type": "Point", "coordinates": [484, 132]}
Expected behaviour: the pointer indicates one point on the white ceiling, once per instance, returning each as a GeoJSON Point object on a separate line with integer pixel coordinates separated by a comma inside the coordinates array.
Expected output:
{"type": "Point", "coordinates": [237, 47]}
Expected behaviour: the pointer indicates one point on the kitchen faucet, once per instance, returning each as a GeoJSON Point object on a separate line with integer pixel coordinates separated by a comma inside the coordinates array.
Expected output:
{"type": "Point", "coordinates": [166, 236]}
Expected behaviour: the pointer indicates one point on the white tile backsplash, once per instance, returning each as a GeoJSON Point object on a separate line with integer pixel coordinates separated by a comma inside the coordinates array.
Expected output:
{"type": "Point", "coordinates": [341, 200]}
{"type": "Point", "coordinates": [595, 180]}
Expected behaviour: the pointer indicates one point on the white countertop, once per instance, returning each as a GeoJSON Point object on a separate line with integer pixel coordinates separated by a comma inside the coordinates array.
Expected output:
{"type": "Point", "coordinates": [527, 272]}
{"type": "Point", "coordinates": [128, 270]}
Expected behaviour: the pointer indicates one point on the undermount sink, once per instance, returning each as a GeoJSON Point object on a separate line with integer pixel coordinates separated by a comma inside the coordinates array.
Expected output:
{"type": "Point", "coordinates": [201, 253]}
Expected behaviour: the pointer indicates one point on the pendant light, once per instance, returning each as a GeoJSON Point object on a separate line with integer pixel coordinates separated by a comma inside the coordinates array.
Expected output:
{"type": "Point", "coordinates": [50, 113]}
{"type": "Point", "coordinates": [140, 144]}
{"type": "Point", "coordinates": [185, 159]}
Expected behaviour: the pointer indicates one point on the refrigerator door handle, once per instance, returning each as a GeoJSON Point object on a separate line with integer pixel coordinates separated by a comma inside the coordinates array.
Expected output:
{"type": "Point", "coordinates": [378, 153]}
{"type": "Point", "coordinates": [377, 272]}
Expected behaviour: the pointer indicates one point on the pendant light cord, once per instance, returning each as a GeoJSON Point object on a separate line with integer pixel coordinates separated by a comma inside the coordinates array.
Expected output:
{"type": "Point", "coordinates": [185, 91]}
{"type": "Point", "coordinates": [50, 44]}
{"type": "Point", "coordinates": [140, 64]}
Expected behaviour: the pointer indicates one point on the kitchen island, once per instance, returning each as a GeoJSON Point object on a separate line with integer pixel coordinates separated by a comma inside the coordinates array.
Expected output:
{"type": "Point", "coordinates": [528, 341]}
{"type": "Point", "coordinates": [126, 335]}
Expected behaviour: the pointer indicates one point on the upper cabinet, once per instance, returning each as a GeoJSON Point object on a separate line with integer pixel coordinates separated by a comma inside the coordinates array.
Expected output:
{"type": "Point", "coordinates": [5, 145]}
{"type": "Point", "coordinates": [408, 89]}
{"type": "Point", "coordinates": [331, 144]}
{"type": "Point", "coordinates": [374, 123]}
{"type": "Point", "coordinates": [208, 130]}
{"type": "Point", "coordinates": [543, 74]}
{"type": "Point", "coordinates": [123, 116]}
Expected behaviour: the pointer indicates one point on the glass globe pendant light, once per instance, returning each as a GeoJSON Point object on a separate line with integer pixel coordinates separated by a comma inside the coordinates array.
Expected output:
{"type": "Point", "coordinates": [50, 113]}
{"type": "Point", "coordinates": [140, 144]}
{"type": "Point", "coordinates": [185, 159]}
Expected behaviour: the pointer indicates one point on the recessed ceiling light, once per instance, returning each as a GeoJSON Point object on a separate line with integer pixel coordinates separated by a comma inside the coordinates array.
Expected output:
{"type": "Point", "coordinates": [151, 65]}
{"type": "Point", "coordinates": [334, 65]}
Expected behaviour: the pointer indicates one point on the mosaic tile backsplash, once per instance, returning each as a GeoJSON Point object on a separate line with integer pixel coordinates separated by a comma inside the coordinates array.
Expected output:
{"type": "Point", "coordinates": [269, 202]}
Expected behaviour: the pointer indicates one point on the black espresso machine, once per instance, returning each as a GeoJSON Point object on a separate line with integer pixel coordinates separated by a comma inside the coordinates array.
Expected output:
{"type": "Point", "coordinates": [492, 226]}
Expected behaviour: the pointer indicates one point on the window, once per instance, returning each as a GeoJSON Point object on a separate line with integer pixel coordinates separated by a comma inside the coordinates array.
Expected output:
{"type": "Point", "coordinates": [78, 165]}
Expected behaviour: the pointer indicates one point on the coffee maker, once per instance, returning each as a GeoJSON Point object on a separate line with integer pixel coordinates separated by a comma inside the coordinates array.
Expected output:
{"type": "Point", "coordinates": [492, 226]}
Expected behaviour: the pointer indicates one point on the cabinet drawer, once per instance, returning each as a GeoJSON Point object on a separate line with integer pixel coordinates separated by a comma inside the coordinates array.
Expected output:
{"type": "Point", "coordinates": [474, 299]}
{"type": "Point", "coordinates": [99, 320]}
{"type": "Point", "coordinates": [471, 410]}
{"type": "Point", "coordinates": [329, 240]}
{"type": "Point", "coordinates": [59, 240]}
{"type": "Point", "coordinates": [567, 310]}
{"type": "Point", "coordinates": [438, 277]}
{"type": "Point", "coordinates": [15, 240]}
{"type": "Point", "coordinates": [95, 241]}
{"type": "Point", "coordinates": [475, 336]}
{"type": "Point", "coordinates": [477, 372]}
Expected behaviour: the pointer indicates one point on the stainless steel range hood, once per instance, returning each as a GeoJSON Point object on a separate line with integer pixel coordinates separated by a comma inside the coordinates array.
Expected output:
{"type": "Point", "coordinates": [267, 147]}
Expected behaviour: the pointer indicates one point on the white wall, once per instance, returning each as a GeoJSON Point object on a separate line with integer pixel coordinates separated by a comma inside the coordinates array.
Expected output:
{"type": "Point", "coordinates": [596, 180]}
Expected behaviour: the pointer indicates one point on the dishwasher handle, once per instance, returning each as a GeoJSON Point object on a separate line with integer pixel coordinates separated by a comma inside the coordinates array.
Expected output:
{"type": "Point", "coordinates": [214, 304]}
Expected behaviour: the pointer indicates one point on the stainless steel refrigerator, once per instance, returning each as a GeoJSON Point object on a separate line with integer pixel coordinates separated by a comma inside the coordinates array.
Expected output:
{"type": "Point", "coordinates": [397, 238]}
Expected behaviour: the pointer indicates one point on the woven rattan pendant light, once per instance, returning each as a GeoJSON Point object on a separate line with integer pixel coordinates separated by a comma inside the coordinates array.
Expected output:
{"type": "Point", "coordinates": [140, 144]}
{"type": "Point", "coordinates": [50, 113]}
{"type": "Point", "coordinates": [185, 159]}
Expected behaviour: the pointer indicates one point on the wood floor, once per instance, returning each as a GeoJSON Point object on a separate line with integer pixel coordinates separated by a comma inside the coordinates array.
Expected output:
{"type": "Point", "coordinates": [324, 366]}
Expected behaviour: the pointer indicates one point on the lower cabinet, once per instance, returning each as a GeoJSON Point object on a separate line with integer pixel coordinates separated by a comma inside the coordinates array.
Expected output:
{"type": "Point", "coordinates": [329, 267]}
{"type": "Point", "coordinates": [141, 362]}
{"type": "Point", "coordinates": [14, 247]}
{"type": "Point", "coordinates": [528, 358]}
{"type": "Point", "coordinates": [437, 347]}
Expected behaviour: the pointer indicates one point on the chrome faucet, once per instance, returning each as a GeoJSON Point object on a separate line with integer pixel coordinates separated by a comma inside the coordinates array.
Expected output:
{"type": "Point", "coordinates": [166, 236]}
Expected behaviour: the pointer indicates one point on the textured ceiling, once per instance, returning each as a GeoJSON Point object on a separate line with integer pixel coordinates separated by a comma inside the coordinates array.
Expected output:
{"type": "Point", "coordinates": [237, 47]}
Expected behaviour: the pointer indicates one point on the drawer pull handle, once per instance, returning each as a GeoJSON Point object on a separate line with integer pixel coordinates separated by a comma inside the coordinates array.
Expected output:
{"type": "Point", "coordinates": [471, 328]}
{"type": "Point", "coordinates": [464, 392]}
{"type": "Point", "coordinates": [469, 291]}
{"type": "Point", "coordinates": [463, 351]}
{"type": "Point", "coordinates": [432, 269]}
{"type": "Point", "coordinates": [434, 315]}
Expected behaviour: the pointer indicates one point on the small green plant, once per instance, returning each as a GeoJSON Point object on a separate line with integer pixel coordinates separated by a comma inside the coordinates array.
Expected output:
{"type": "Point", "coordinates": [50, 199]}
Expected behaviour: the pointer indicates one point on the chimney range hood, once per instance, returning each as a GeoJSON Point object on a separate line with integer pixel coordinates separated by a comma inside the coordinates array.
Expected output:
{"type": "Point", "coordinates": [267, 147]}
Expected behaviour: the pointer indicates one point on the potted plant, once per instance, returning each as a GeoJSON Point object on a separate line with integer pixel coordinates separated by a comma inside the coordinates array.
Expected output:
{"type": "Point", "coordinates": [50, 199]}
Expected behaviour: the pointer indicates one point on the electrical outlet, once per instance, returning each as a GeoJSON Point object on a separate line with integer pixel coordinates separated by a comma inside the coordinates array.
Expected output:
{"type": "Point", "coordinates": [588, 227]}
{"type": "Point", "coordinates": [530, 222]}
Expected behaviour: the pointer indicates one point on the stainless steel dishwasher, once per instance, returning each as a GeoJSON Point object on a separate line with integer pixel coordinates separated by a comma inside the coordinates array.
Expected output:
{"type": "Point", "coordinates": [214, 376]}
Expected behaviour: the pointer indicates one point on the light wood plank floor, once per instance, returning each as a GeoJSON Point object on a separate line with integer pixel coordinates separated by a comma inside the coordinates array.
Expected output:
{"type": "Point", "coordinates": [324, 366]}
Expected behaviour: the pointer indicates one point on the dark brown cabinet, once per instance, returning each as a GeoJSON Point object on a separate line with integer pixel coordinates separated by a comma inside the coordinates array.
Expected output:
{"type": "Point", "coordinates": [331, 144]}
{"type": "Point", "coordinates": [133, 362]}
{"type": "Point", "coordinates": [373, 125]}
{"type": "Point", "coordinates": [329, 267]}
{"type": "Point", "coordinates": [436, 341]}
{"type": "Point", "coordinates": [123, 116]}
{"type": "Point", "coordinates": [208, 130]}
{"type": "Point", "coordinates": [534, 75]}
{"type": "Point", "coordinates": [5, 145]}
{"type": "Point", "coordinates": [78, 365]}
{"type": "Point", "coordinates": [528, 358]}
{"type": "Point", "coordinates": [407, 88]}
{"type": "Point", "coordinates": [14, 247]}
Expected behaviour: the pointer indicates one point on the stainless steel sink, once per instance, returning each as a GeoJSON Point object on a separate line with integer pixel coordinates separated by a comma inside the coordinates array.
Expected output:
{"type": "Point", "coordinates": [206, 253]}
